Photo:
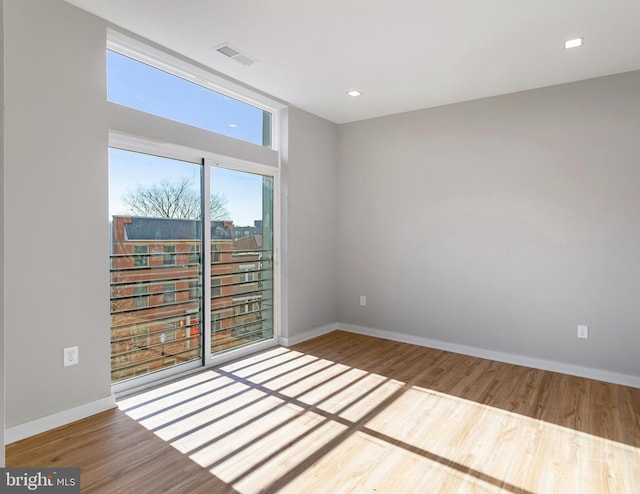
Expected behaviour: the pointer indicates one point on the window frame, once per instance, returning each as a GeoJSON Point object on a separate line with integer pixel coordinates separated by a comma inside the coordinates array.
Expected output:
{"type": "Point", "coordinates": [192, 72]}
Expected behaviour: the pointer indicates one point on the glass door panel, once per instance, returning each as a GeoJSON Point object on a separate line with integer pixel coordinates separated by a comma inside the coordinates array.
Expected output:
{"type": "Point", "coordinates": [241, 259]}
{"type": "Point", "coordinates": [155, 263]}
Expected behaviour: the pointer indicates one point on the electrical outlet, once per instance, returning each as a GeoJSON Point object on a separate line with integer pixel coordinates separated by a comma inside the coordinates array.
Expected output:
{"type": "Point", "coordinates": [583, 331]}
{"type": "Point", "coordinates": [363, 300]}
{"type": "Point", "coordinates": [70, 356]}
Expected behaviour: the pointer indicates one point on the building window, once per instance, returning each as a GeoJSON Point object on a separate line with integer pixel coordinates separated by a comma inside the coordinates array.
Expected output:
{"type": "Point", "coordinates": [141, 256]}
{"type": "Point", "coordinates": [216, 323]}
{"type": "Point", "coordinates": [169, 256]}
{"type": "Point", "coordinates": [141, 292]}
{"type": "Point", "coordinates": [241, 309]}
{"type": "Point", "coordinates": [169, 333]}
{"type": "Point", "coordinates": [215, 287]}
{"type": "Point", "coordinates": [216, 255]}
{"type": "Point", "coordinates": [168, 293]}
{"type": "Point", "coordinates": [194, 254]}
{"type": "Point", "coordinates": [246, 272]}
{"type": "Point", "coordinates": [194, 290]}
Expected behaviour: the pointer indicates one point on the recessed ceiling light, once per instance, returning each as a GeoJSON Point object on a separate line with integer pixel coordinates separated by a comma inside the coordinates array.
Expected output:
{"type": "Point", "coordinates": [573, 43]}
{"type": "Point", "coordinates": [354, 92]}
{"type": "Point", "coordinates": [233, 126]}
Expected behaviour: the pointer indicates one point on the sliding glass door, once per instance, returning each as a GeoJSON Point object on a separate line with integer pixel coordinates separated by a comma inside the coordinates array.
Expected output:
{"type": "Point", "coordinates": [160, 253]}
{"type": "Point", "coordinates": [241, 260]}
{"type": "Point", "coordinates": [155, 263]}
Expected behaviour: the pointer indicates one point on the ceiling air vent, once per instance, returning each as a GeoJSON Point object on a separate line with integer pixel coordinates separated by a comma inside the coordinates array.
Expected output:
{"type": "Point", "coordinates": [228, 51]}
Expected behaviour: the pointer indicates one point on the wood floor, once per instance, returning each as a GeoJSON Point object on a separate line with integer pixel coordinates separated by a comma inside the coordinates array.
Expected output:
{"type": "Point", "coordinates": [345, 413]}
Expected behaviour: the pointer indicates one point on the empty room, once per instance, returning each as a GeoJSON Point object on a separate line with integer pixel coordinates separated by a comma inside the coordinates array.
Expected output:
{"type": "Point", "coordinates": [315, 246]}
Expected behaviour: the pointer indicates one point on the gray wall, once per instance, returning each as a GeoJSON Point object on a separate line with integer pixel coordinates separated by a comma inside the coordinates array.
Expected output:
{"type": "Point", "coordinates": [312, 207]}
{"type": "Point", "coordinates": [500, 223]}
{"type": "Point", "coordinates": [2, 374]}
{"type": "Point", "coordinates": [56, 209]}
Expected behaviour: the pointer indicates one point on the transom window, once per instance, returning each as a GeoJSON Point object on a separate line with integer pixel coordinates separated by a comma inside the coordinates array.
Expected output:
{"type": "Point", "coordinates": [140, 86]}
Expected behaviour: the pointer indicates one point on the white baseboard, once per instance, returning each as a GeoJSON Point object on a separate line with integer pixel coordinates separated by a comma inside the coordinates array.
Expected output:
{"type": "Point", "coordinates": [22, 431]}
{"type": "Point", "coordinates": [307, 335]}
{"type": "Point", "coordinates": [574, 370]}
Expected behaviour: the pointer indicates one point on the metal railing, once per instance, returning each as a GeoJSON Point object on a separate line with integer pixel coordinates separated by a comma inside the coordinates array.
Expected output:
{"type": "Point", "coordinates": [156, 310]}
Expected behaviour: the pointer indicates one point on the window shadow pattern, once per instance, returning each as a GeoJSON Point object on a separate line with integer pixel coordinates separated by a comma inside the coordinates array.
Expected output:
{"type": "Point", "coordinates": [350, 413]}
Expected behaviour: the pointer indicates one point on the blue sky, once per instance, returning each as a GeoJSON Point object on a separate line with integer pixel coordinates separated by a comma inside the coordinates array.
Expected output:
{"type": "Point", "coordinates": [144, 88]}
{"type": "Point", "coordinates": [136, 85]}
{"type": "Point", "coordinates": [127, 170]}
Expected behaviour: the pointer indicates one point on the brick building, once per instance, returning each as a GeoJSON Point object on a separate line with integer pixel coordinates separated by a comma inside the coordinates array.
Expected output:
{"type": "Point", "coordinates": [156, 287]}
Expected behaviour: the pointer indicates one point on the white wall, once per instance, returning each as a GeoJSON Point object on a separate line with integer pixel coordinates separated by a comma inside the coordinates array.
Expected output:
{"type": "Point", "coordinates": [500, 224]}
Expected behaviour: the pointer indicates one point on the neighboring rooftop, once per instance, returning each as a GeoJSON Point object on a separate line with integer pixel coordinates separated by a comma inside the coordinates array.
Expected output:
{"type": "Point", "coordinates": [144, 228]}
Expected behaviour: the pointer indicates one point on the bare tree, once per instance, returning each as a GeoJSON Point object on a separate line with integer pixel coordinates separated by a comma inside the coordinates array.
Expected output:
{"type": "Point", "coordinates": [172, 199]}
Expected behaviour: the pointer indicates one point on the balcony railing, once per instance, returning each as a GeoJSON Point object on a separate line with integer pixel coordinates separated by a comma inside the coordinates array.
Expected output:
{"type": "Point", "coordinates": [156, 306]}
{"type": "Point", "coordinates": [241, 298]}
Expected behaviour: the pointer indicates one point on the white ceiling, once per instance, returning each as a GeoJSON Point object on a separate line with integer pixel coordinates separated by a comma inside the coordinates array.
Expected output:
{"type": "Point", "coordinates": [401, 54]}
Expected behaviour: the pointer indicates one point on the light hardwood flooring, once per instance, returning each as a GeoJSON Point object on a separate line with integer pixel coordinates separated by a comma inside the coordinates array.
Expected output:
{"type": "Point", "coordinates": [346, 413]}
